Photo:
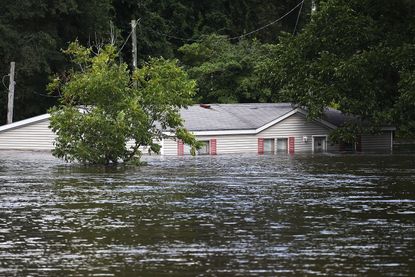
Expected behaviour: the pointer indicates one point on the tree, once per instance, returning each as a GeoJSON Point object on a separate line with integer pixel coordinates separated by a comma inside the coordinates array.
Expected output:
{"type": "Point", "coordinates": [356, 56]}
{"type": "Point", "coordinates": [105, 115]}
{"type": "Point", "coordinates": [34, 31]}
{"type": "Point", "coordinates": [225, 71]}
{"type": "Point", "coordinates": [168, 24]}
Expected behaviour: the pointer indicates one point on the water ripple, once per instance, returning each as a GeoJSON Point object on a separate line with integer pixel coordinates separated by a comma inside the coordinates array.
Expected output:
{"type": "Point", "coordinates": [237, 215]}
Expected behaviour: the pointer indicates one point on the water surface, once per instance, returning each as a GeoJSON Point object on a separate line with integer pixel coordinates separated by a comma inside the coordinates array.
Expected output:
{"type": "Point", "coordinates": [240, 215]}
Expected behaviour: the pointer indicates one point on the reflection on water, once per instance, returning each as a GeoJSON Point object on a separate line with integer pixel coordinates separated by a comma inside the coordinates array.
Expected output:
{"type": "Point", "coordinates": [235, 215]}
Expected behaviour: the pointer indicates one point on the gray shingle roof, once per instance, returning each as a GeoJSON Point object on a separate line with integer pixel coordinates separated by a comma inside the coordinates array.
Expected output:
{"type": "Point", "coordinates": [233, 116]}
{"type": "Point", "coordinates": [335, 117]}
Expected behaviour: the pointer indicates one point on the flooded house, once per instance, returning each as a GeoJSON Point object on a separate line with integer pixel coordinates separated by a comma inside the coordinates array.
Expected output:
{"type": "Point", "coordinates": [260, 128]}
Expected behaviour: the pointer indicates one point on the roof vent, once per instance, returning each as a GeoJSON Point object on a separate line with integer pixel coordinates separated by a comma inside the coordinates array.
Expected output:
{"type": "Point", "coordinates": [206, 106]}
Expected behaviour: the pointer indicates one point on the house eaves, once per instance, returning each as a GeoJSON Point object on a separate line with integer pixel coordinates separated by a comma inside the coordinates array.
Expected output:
{"type": "Point", "coordinates": [24, 122]}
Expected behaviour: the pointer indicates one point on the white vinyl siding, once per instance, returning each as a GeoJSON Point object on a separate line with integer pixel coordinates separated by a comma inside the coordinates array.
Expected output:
{"type": "Point", "coordinates": [236, 144]}
{"type": "Point", "coordinates": [169, 147]}
{"type": "Point", "coordinates": [296, 126]}
{"type": "Point", "coordinates": [332, 147]}
{"type": "Point", "coordinates": [34, 136]}
{"type": "Point", "coordinates": [378, 142]}
{"type": "Point", "coordinates": [226, 144]}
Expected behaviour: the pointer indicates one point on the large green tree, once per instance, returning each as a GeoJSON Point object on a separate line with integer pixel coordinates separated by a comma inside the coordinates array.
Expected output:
{"type": "Point", "coordinates": [357, 56]}
{"type": "Point", "coordinates": [105, 115]}
{"type": "Point", "coordinates": [224, 70]}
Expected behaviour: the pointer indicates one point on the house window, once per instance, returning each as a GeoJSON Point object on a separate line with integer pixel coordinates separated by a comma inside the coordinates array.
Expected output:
{"type": "Point", "coordinates": [205, 149]}
{"type": "Point", "coordinates": [282, 145]}
{"type": "Point", "coordinates": [187, 149]}
{"type": "Point", "coordinates": [269, 146]}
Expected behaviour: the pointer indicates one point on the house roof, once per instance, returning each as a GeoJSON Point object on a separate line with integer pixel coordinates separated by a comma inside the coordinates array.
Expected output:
{"type": "Point", "coordinates": [213, 117]}
{"type": "Point", "coordinates": [24, 122]}
{"type": "Point", "coordinates": [250, 118]}
{"type": "Point", "coordinates": [228, 118]}
{"type": "Point", "coordinates": [338, 118]}
{"type": "Point", "coordinates": [335, 117]}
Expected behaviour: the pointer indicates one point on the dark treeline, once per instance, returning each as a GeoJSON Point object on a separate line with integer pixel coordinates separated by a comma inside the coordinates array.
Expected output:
{"type": "Point", "coordinates": [357, 56]}
{"type": "Point", "coordinates": [34, 32]}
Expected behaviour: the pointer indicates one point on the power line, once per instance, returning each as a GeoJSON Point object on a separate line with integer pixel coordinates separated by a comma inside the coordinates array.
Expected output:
{"type": "Point", "coordinates": [173, 37]}
{"type": "Point", "coordinates": [2, 80]}
{"type": "Point", "coordinates": [269, 24]}
{"type": "Point", "coordinates": [236, 37]}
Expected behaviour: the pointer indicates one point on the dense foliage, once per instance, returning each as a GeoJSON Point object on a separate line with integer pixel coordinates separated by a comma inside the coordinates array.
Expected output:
{"type": "Point", "coordinates": [105, 115]}
{"type": "Point", "coordinates": [168, 24]}
{"type": "Point", "coordinates": [355, 55]}
{"type": "Point", "coordinates": [32, 34]}
{"type": "Point", "coordinates": [225, 70]}
{"type": "Point", "coordinates": [34, 31]}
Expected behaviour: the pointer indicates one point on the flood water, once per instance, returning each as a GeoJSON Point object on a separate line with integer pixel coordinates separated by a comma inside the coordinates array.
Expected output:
{"type": "Point", "coordinates": [343, 215]}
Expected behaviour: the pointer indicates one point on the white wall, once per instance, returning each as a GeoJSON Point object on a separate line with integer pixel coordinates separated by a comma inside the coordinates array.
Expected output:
{"type": "Point", "coordinates": [297, 126]}
{"type": "Point", "coordinates": [37, 136]}
{"type": "Point", "coordinates": [34, 136]}
{"type": "Point", "coordinates": [294, 126]}
{"type": "Point", "coordinates": [377, 142]}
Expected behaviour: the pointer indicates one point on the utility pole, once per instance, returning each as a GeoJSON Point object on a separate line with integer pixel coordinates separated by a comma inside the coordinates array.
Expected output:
{"type": "Point", "coordinates": [313, 6]}
{"type": "Point", "coordinates": [11, 94]}
{"type": "Point", "coordinates": [134, 41]}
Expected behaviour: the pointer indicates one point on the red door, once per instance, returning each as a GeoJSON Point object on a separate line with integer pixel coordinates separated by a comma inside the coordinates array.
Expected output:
{"type": "Point", "coordinates": [291, 145]}
{"type": "Point", "coordinates": [180, 148]}
{"type": "Point", "coordinates": [213, 147]}
{"type": "Point", "coordinates": [260, 146]}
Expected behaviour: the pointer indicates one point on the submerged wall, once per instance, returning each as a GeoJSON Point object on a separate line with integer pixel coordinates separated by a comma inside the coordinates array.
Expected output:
{"type": "Point", "coordinates": [295, 126]}
{"type": "Point", "coordinates": [33, 136]}
{"type": "Point", "coordinates": [377, 142]}
{"type": "Point", "coordinates": [37, 136]}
